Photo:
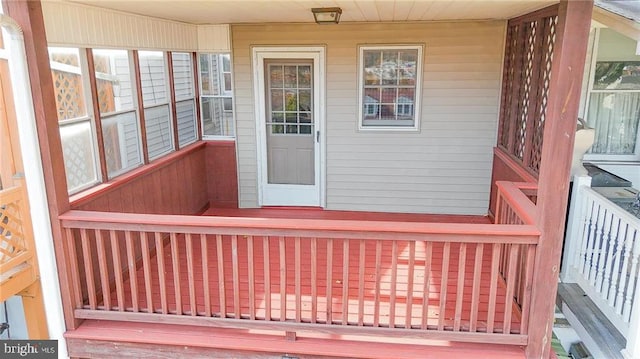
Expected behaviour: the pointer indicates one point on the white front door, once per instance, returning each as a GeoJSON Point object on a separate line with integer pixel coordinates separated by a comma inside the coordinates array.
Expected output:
{"type": "Point", "coordinates": [289, 89]}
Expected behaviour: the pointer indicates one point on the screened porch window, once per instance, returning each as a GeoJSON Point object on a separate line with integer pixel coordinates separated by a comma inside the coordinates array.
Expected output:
{"type": "Point", "coordinates": [185, 97]}
{"type": "Point", "coordinates": [68, 69]}
{"type": "Point", "coordinates": [614, 110]}
{"type": "Point", "coordinates": [390, 78]}
{"type": "Point", "coordinates": [216, 95]}
{"type": "Point", "coordinates": [155, 97]}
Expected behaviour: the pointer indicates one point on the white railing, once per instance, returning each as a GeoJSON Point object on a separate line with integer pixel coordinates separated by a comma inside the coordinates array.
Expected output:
{"type": "Point", "coordinates": [602, 253]}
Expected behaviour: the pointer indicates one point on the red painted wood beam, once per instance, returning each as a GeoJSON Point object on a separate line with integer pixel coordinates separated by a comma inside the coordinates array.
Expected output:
{"type": "Point", "coordinates": [28, 14]}
{"type": "Point", "coordinates": [574, 20]}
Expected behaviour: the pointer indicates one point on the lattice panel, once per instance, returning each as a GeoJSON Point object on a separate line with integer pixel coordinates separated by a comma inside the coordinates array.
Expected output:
{"type": "Point", "coordinates": [12, 239]}
{"type": "Point", "coordinates": [69, 98]}
{"type": "Point", "coordinates": [106, 99]}
{"type": "Point", "coordinates": [78, 159]}
{"type": "Point", "coordinates": [526, 79]}
{"type": "Point", "coordinates": [541, 111]}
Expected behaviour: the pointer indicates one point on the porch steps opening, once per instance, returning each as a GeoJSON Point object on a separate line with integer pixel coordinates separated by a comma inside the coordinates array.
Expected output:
{"type": "Point", "coordinates": [115, 339]}
{"type": "Point", "coordinates": [600, 336]}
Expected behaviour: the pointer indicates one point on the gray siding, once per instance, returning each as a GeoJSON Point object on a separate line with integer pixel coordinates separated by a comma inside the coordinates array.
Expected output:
{"type": "Point", "coordinates": [444, 168]}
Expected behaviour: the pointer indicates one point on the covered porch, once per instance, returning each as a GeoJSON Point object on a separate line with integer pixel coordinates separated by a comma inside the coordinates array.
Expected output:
{"type": "Point", "coordinates": [160, 261]}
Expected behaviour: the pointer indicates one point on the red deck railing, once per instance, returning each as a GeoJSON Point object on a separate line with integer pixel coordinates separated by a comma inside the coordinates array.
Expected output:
{"type": "Point", "coordinates": [454, 281]}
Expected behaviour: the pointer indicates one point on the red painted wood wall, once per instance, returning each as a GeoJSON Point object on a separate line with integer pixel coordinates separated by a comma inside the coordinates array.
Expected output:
{"type": "Point", "coordinates": [175, 184]}
{"type": "Point", "coordinates": [222, 175]}
{"type": "Point", "coordinates": [186, 182]}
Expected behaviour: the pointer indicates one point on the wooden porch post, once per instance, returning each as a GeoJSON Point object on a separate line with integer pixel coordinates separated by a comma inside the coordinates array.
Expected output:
{"type": "Point", "coordinates": [28, 14]}
{"type": "Point", "coordinates": [574, 18]}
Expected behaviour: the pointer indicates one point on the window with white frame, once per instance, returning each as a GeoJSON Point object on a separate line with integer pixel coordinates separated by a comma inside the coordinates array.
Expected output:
{"type": "Point", "coordinates": [390, 78]}
{"type": "Point", "coordinates": [183, 84]}
{"type": "Point", "coordinates": [216, 95]}
{"type": "Point", "coordinates": [614, 110]}
{"type": "Point", "coordinates": [75, 117]}
{"type": "Point", "coordinates": [118, 113]}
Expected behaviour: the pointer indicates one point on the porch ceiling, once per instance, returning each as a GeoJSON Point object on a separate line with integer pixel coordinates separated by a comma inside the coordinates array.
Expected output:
{"type": "Point", "coordinates": [261, 11]}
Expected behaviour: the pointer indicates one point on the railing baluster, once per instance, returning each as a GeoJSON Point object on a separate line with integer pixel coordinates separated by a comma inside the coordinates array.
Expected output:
{"type": "Point", "coordinates": [444, 282]}
{"type": "Point", "coordinates": [329, 281]}
{"type": "Point", "coordinates": [314, 280]}
{"type": "Point", "coordinates": [191, 275]}
{"type": "Point", "coordinates": [73, 260]}
{"type": "Point", "coordinates": [283, 279]}
{"type": "Point", "coordinates": [161, 273]}
{"type": "Point", "coordinates": [252, 278]}
{"type": "Point", "coordinates": [475, 295]}
{"type": "Point", "coordinates": [175, 261]}
{"type": "Point", "coordinates": [528, 283]}
{"type": "Point", "coordinates": [393, 284]}
{"type": "Point", "coordinates": [605, 251]}
{"type": "Point", "coordinates": [410, 278]}
{"type": "Point", "coordinates": [205, 274]}
{"type": "Point", "coordinates": [609, 268]}
{"type": "Point", "coordinates": [298, 280]}
{"type": "Point", "coordinates": [491, 314]}
{"type": "Point", "coordinates": [583, 229]}
{"type": "Point", "coordinates": [117, 269]}
{"type": "Point", "coordinates": [613, 289]}
{"type": "Point", "coordinates": [426, 288]}
{"type": "Point", "coordinates": [597, 247]}
{"type": "Point", "coordinates": [267, 276]}
{"type": "Point", "coordinates": [222, 293]}
{"type": "Point", "coordinates": [628, 245]}
{"type": "Point", "coordinates": [632, 236]}
{"type": "Point", "coordinates": [88, 269]}
{"type": "Point", "coordinates": [236, 277]}
{"type": "Point", "coordinates": [378, 274]}
{"type": "Point", "coordinates": [104, 271]}
{"type": "Point", "coordinates": [345, 281]}
{"type": "Point", "coordinates": [462, 259]}
{"type": "Point", "coordinates": [361, 273]}
{"type": "Point", "coordinates": [146, 265]}
{"type": "Point", "coordinates": [508, 298]}
{"type": "Point", "coordinates": [131, 267]}
{"type": "Point", "coordinates": [593, 224]}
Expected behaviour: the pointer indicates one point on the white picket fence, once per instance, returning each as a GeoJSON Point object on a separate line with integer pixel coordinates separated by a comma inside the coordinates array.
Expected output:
{"type": "Point", "coordinates": [602, 255]}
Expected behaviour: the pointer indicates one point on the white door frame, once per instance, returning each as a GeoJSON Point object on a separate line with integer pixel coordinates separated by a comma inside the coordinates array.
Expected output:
{"type": "Point", "coordinates": [299, 196]}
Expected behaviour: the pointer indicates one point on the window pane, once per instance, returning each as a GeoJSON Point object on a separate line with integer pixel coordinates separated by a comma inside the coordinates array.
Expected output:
{"type": "Point", "coordinates": [113, 80]}
{"type": "Point", "coordinates": [121, 143]}
{"type": "Point", "coordinates": [215, 74]}
{"type": "Point", "coordinates": [615, 116]}
{"type": "Point", "coordinates": [79, 155]}
{"type": "Point", "coordinates": [153, 78]}
{"type": "Point", "coordinates": [407, 67]}
{"type": "Point", "coordinates": [182, 75]}
{"type": "Point", "coordinates": [215, 120]}
{"type": "Point", "coordinates": [390, 68]}
{"type": "Point", "coordinates": [67, 82]}
{"type": "Point", "coordinates": [158, 129]}
{"type": "Point", "coordinates": [187, 131]}
{"type": "Point", "coordinates": [372, 69]}
{"type": "Point", "coordinates": [617, 75]}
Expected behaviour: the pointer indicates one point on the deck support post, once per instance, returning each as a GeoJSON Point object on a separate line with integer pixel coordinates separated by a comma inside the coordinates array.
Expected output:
{"type": "Point", "coordinates": [574, 20]}
{"type": "Point", "coordinates": [291, 336]}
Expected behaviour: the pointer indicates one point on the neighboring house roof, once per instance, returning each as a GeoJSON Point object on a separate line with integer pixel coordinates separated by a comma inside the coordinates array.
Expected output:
{"type": "Point", "coordinates": [625, 8]}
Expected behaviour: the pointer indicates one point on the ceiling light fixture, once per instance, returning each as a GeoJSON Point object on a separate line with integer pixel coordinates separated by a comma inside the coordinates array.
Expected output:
{"type": "Point", "coordinates": [327, 15]}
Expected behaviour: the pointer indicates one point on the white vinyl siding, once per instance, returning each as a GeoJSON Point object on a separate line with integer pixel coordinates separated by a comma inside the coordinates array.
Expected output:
{"type": "Point", "coordinates": [443, 168]}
